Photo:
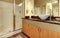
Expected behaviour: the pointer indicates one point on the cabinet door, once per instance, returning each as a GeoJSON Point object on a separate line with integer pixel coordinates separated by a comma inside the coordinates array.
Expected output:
{"type": "Point", "coordinates": [43, 33]}
{"type": "Point", "coordinates": [25, 27]}
{"type": "Point", "coordinates": [34, 33]}
{"type": "Point", "coordinates": [52, 34]}
{"type": "Point", "coordinates": [58, 35]}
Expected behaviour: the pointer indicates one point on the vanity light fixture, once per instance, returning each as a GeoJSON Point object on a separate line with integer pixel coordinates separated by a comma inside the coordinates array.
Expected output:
{"type": "Point", "coordinates": [20, 4]}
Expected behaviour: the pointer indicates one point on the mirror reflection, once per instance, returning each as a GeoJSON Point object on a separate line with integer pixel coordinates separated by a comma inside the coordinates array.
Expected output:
{"type": "Point", "coordinates": [55, 8]}
{"type": "Point", "coordinates": [46, 8]}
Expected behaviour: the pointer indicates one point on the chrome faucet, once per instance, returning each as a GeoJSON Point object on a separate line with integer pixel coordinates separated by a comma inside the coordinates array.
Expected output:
{"type": "Point", "coordinates": [50, 14]}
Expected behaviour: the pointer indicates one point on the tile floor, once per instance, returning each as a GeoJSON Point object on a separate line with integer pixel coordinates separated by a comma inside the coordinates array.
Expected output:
{"type": "Point", "coordinates": [20, 35]}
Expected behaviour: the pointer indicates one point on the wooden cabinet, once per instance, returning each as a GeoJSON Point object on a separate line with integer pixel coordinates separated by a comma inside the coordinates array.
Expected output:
{"type": "Point", "coordinates": [25, 28]}
{"type": "Point", "coordinates": [58, 35]}
{"type": "Point", "coordinates": [36, 32]}
{"type": "Point", "coordinates": [30, 30]}
{"type": "Point", "coordinates": [43, 33]}
{"type": "Point", "coordinates": [52, 34]}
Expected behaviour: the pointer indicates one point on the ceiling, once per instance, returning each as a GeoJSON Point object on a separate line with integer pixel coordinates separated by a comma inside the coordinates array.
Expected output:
{"type": "Point", "coordinates": [12, 1]}
{"type": "Point", "coordinates": [39, 2]}
{"type": "Point", "coordinates": [36, 2]}
{"type": "Point", "coordinates": [42, 2]}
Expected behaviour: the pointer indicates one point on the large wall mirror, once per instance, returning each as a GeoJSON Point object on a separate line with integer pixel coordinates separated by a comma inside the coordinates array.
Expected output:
{"type": "Point", "coordinates": [55, 8]}
{"type": "Point", "coordinates": [47, 7]}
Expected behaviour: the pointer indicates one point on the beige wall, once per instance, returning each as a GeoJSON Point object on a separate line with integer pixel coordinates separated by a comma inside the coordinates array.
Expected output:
{"type": "Point", "coordinates": [6, 17]}
{"type": "Point", "coordinates": [37, 11]}
{"type": "Point", "coordinates": [1, 17]}
{"type": "Point", "coordinates": [59, 7]}
{"type": "Point", "coordinates": [55, 10]}
{"type": "Point", "coordinates": [29, 6]}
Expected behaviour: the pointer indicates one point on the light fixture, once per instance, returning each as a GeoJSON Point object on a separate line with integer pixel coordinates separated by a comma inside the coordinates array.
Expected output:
{"type": "Point", "coordinates": [20, 4]}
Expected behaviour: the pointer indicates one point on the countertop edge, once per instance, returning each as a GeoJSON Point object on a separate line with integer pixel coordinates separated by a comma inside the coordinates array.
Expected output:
{"type": "Point", "coordinates": [44, 21]}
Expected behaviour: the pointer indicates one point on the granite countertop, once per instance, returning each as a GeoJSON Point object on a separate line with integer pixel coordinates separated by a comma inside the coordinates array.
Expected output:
{"type": "Point", "coordinates": [46, 21]}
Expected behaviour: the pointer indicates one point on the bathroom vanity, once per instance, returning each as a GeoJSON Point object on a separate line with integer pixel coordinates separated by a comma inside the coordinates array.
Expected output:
{"type": "Point", "coordinates": [41, 29]}
{"type": "Point", "coordinates": [36, 28]}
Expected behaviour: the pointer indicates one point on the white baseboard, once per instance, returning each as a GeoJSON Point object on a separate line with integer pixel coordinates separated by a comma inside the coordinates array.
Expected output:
{"type": "Point", "coordinates": [10, 33]}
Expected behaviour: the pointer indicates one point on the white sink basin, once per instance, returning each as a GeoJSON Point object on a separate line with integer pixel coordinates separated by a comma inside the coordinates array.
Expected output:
{"type": "Point", "coordinates": [44, 17]}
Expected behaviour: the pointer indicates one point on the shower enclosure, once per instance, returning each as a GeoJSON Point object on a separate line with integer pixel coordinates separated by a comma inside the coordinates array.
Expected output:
{"type": "Point", "coordinates": [11, 13]}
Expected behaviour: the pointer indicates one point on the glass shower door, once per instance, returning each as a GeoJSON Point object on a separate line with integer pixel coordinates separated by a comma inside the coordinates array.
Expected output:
{"type": "Point", "coordinates": [19, 10]}
{"type": "Point", "coordinates": [6, 16]}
